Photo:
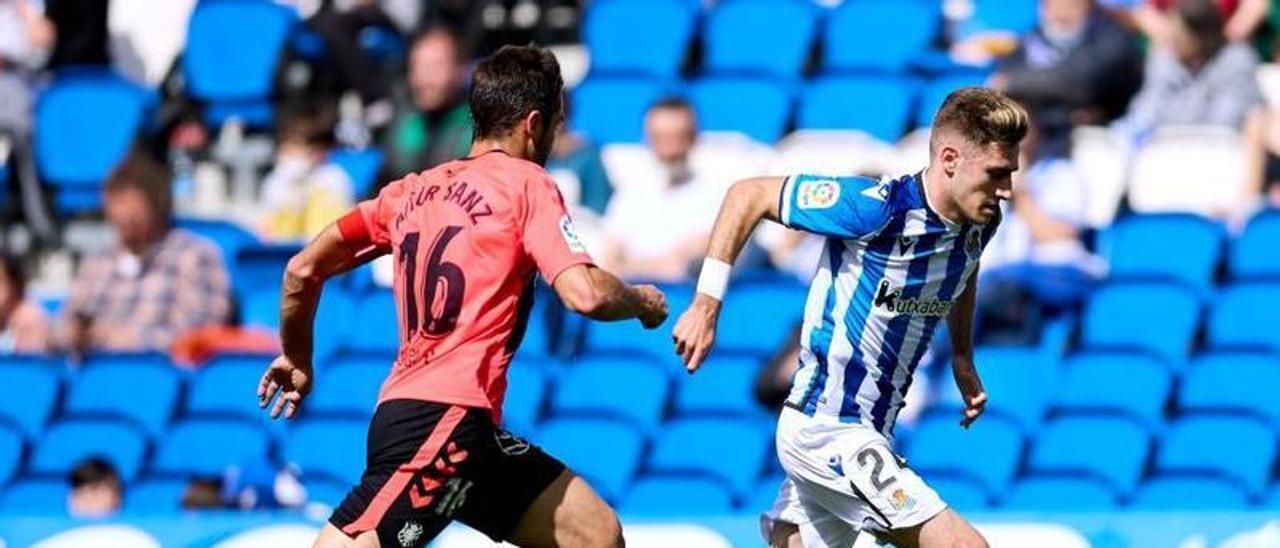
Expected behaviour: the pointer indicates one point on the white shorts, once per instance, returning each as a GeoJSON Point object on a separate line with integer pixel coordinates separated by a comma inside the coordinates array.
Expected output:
{"type": "Point", "coordinates": [842, 479]}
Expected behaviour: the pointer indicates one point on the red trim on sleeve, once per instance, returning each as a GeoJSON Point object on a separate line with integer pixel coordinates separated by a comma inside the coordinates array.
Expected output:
{"type": "Point", "coordinates": [353, 227]}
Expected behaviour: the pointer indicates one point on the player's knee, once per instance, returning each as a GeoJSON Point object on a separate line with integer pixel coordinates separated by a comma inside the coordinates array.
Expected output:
{"type": "Point", "coordinates": [608, 534]}
{"type": "Point", "coordinates": [970, 539]}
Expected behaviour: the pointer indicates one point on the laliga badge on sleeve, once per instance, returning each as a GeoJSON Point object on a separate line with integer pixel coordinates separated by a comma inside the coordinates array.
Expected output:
{"type": "Point", "coordinates": [818, 194]}
{"type": "Point", "coordinates": [570, 234]}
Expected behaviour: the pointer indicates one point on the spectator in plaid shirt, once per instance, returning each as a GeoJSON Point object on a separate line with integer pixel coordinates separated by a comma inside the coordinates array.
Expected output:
{"type": "Point", "coordinates": [155, 283]}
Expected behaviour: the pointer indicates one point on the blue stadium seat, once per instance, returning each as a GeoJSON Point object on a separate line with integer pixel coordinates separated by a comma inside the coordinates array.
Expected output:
{"type": "Point", "coordinates": [328, 448]}
{"type": "Point", "coordinates": [236, 76]}
{"type": "Point", "coordinates": [605, 452]}
{"type": "Point", "coordinates": [1273, 501]}
{"type": "Point", "coordinates": [261, 309]}
{"type": "Point", "coordinates": [1057, 494]}
{"type": "Point", "coordinates": [621, 387]}
{"type": "Point", "coordinates": [878, 105]}
{"type": "Point", "coordinates": [723, 385]}
{"type": "Point", "coordinates": [526, 392]}
{"type": "Point", "coordinates": [85, 123]}
{"type": "Point", "coordinates": [348, 389]}
{"type": "Point", "coordinates": [187, 449]}
{"type": "Point", "coordinates": [935, 92]}
{"type": "Point", "coordinates": [744, 327]}
{"type": "Point", "coordinates": [735, 31]}
{"type": "Point", "coordinates": [730, 450]}
{"type": "Point", "coordinates": [901, 31]}
{"type": "Point", "coordinates": [1008, 16]}
{"type": "Point", "coordinates": [677, 497]}
{"type": "Point", "coordinates": [1071, 445]}
{"type": "Point", "coordinates": [361, 166]}
{"type": "Point", "coordinates": [1018, 381]}
{"type": "Point", "coordinates": [639, 36]}
{"type": "Point", "coordinates": [155, 496]}
{"type": "Point", "coordinates": [762, 496]}
{"type": "Point", "coordinates": [68, 443]}
{"type": "Point", "coordinates": [325, 491]}
{"type": "Point", "coordinates": [721, 102]}
{"type": "Point", "coordinates": [987, 453]}
{"type": "Point", "coordinates": [37, 497]}
{"type": "Point", "coordinates": [1254, 254]}
{"type": "Point", "coordinates": [28, 395]}
{"type": "Point", "coordinates": [960, 493]}
{"type": "Point", "coordinates": [1242, 317]}
{"type": "Point", "coordinates": [611, 110]}
{"type": "Point", "coordinates": [10, 453]}
{"type": "Point", "coordinates": [630, 337]}
{"type": "Point", "coordinates": [1131, 383]}
{"type": "Point", "coordinates": [1190, 493]}
{"type": "Point", "coordinates": [229, 237]}
{"type": "Point", "coordinates": [1156, 318]}
{"type": "Point", "coordinates": [142, 392]}
{"type": "Point", "coordinates": [1240, 449]}
{"type": "Point", "coordinates": [1241, 383]}
{"type": "Point", "coordinates": [227, 387]}
{"type": "Point", "coordinates": [379, 327]}
{"type": "Point", "coordinates": [261, 267]}
{"type": "Point", "coordinates": [1166, 247]}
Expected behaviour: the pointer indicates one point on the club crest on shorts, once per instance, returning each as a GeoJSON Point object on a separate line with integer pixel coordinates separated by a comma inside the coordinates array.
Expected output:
{"type": "Point", "coordinates": [570, 233]}
{"type": "Point", "coordinates": [410, 534]}
{"type": "Point", "coordinates": [818, 194]}
{"type": "Point", "coordinates": [509, 444]}
{"type": "Point", "coordinates": [901, 500]}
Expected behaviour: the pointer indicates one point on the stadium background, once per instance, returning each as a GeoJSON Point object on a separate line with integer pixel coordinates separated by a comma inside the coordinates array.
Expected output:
{"type": "Point", "coordinates": [1144, 417]}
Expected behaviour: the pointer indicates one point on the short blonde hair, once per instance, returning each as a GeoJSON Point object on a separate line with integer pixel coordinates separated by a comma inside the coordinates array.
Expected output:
{"type": "Point", "coordinates": [982, 116]}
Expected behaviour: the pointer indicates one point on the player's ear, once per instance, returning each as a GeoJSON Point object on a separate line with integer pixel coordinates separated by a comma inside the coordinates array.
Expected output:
{"type": "Point", "coordinates": [950, 158]}
{"type": "Point", "coordinates": [533, 122]}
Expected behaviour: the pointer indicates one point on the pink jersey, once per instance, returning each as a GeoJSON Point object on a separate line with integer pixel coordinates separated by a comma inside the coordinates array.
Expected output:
{"type": "Point", "coordinates": [467, 238]}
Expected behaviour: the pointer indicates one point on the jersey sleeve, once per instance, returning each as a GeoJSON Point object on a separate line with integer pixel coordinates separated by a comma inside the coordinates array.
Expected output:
{"type": "Point", "coordinates": [549, 236]}
{"type": "Point", "coordinates": [367, 223]}
{"type": "Point", "coordinates": [840, 207]}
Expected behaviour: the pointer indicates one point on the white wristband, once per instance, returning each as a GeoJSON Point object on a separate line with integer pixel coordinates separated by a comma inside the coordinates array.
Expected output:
{"type": "Point", "coordinates": [714, 279]}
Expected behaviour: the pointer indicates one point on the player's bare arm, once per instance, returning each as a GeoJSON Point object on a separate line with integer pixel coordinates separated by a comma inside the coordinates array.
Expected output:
{"type": "Point", "coordinates": [599, 295]}
{"type": "Point", "coordinates": [747, 202]}
{"type": "Point", "coordinates": [960, 328]}
{"type": "Point", "coordinates": [290, 374]}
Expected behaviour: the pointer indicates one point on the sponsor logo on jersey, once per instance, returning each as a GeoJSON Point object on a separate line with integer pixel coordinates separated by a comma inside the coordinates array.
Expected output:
{"type": "Point", "coordinates": [890, 298]}
{"type": "Point", "coordinates": [818, 194]}
{"type": "Point", "coordinates": [570, 233]}
{"type": "Point", "coordinates": [410, 534]}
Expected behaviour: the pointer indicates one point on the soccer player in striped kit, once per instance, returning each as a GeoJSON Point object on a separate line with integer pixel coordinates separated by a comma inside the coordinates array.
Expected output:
{"type": "Point", "coordinates": [900, 256]}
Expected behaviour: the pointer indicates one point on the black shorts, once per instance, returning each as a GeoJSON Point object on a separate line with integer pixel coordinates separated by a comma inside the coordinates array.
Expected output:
{"type": "Point", "coordinates": [431, 463]}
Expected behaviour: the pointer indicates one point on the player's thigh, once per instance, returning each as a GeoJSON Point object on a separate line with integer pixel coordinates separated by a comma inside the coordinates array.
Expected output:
{"type": "Point", "coordinates": [332, 537]}
{"type": "Point", "coordinates": [568, 513]}
{"type": "Point", "coordinates": [944, 530]}
{"type": "Point", "coordinates": [784, 535]}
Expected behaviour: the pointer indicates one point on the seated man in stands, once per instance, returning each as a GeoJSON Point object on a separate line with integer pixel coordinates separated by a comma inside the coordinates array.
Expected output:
{"type": "Point", "coordinates": [153, 283]}
{"type": "Point", "coordinates": [95, 489]}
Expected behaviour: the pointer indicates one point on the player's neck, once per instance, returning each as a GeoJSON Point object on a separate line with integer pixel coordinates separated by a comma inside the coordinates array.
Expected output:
{"type": "Point", "coordinates": [512, 147]}
{"type": "Point", "coordinates": [935, 195]}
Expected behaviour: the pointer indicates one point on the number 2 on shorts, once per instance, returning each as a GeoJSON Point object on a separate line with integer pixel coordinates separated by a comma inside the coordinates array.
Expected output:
{"type": "Point", "coordinates": [877, 469]}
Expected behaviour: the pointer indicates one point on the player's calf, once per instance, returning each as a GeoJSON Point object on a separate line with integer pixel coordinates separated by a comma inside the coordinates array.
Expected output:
{"type": "Point", "coordinates": [945, 530]}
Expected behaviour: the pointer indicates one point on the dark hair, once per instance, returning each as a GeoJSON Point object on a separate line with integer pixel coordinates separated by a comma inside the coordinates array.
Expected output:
{"type": "Point", "coordinates": [982, 115]}
{"type": "Point", "coordinates": [675, 102]}
{"type": "Point", "coordinates": [311, 123]}
{"type": "Point", "coordinates": [93, 470]}
{"type": "Point", "coordinates": [511, 83]}
{"type": "Point", "coordinates": [15, 273]}
{"type": "Point", "coordinates": [140, 172]}
{"type": "Point", "coordinates": [1204, 22]}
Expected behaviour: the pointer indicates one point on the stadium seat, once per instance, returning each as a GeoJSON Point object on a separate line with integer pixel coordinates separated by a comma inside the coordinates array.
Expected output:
{"type": "Point", "coordinates": [1242, 317]}
{"type": "Point", "coordinates": [328, 448]}
{"type": "Point", "coordinates": [526, 392]}
{"type": "Point", "coordinates": [721, 102]}
{"type": "Point", "coordinates": [762, 496]}
{"type": "Point", "coordinates": [1254, 255]}
{"type": "Point", "coordinates": [379, 327]}
{"type": "Point", "coordinates": [1190, 493]}
{"type": "Point", "coordinates": [936, 91]}
{"type": "Point", "coordinates": [987, 453]}
{"type": "Point", "coordinates": [1059, 494]}
{"type": "Point", "coordinates": [1166, 247]}
{"type": "Point", "coordinates": [605, 452]}
{"type": "Point", "coordinates": [261, 309]}
{"type": "Point", "coordinates": [630, 337]}
{"type": "Point", "coordinates": [1240, 449]}
{"type": "Point", "coordinates": [326, 491]}
{"type": "Point", "coordinates": [1071, 445]}
{"type": "Point", "coordinates": [840, 102]}
{"type": "Point", "coordinates": [261, 267]}
{"type": "Point", "coordinates": [621, 387]}
{"type": "Point", "coordinates": [85, 123]}
{"type": "Point", "coordinates": [189, 448]}
{"type": "Point", "coordinates": [37, 497]}
{"type": "Point", "coordinates": [1131, 383]}
{"type": "Point", "coordinates": [229, 237]}
{"type": "Point", "coordinates": [348, 389]}
{"type": "Point", "coordinates": [742, 325]}
{"type": "Point", "coordinates": [10, 453]}
{"type": "Point", "coordinates": [611, 110]}
{"type": "Point", "coordinates": [235, 76]}
{"type": "Point", "coordinates": [155, 496]}
{"type": "Point", "coordinates": [677, 497]}
{"type": "Point", "coordinates": [1168, 173]}
{"type": "Point", "coordinates": [901, 31]}
{"type": "Point", "coordinates": [361, 166]}
{"type": "Point", "coordinates": [639, 36]}
{"type": "Point", "coordinates": [960, 493]}
{"type": "Point", "coordinates": [1240, 383]}
{"type": "Point", "coordinates": [143, 392]}
{"type": "Point", "coordinates": [1005, 16]}
{"type": "Point", "coordinates": [734, 32]}
{"type": "Point", "coordinates": [730, 450]}
{"type": "Point", "coordinates": [723, 385]}
{"type": "Point", "coordinates": [1156, 318]}
{"type": "Point", "coordinates": [68, 443]}
{"type": "Point", "coordinates": [226, 388]}
{"type": "Point", "coordinates": [29, 393]}
{"type": "Point", "coordinates": [1017, 379]}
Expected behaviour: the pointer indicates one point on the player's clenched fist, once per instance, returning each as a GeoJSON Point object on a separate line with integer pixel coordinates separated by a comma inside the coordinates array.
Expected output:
{"type": "Point", "coordinates": [290, 381]}
{"type": "Point", "coordinates": [655, 306]}
{"type": "Point", "coordinates": [695, 331]}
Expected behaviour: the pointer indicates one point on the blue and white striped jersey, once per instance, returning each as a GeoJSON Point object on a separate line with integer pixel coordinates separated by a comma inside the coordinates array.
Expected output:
{"type": "Point", "coordinates": [889, 272]}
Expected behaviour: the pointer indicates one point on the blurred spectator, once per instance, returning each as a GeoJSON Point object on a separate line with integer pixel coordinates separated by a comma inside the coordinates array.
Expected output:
{"type": "Point", "coordinates": [1262, 139]}
{"type": "Point", "coordinates": [147, 36]}
{"type": "Point", "coordinates": [26, 39]}
{"type": "Point", "coordinates": [1198, 79]}
{"type": "Point", "coordinates": [1077, 67]}
{"type": "Point", "coordinates": [658, 226]}
{"type": "Point", "coordinates": [155, 283]}
{"type": "Point", "coordinates": [304, 192]}
{"type": "Point", "coordinates": [95, 489]}
{"type": "Point", "coordinates": [1240, 19]}
{"type": "Point", "coordinates": [203, 493]}
{"type": "Point", "coordinates": [576, 166]}
{"type": "Point", "coordinates": [82, 32]}
{"type": "Point", "coordinates": [435, 126]}
{"type": "Point", "coordinates": [24, 329]}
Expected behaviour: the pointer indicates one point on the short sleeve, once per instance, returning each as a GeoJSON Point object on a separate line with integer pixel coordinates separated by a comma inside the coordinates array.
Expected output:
{"type": "Point", "coordinates": [840, 207]}
{"type": "Point", "coordinates": [368, 222]}
{"type": "Point", "coordinates": [550, 237]}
